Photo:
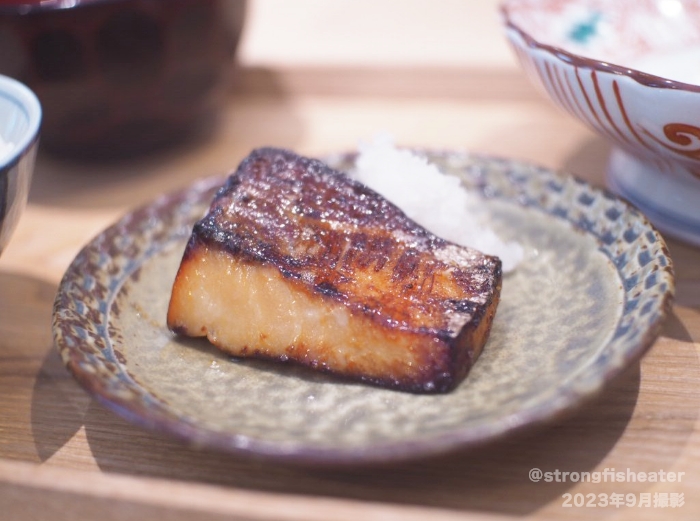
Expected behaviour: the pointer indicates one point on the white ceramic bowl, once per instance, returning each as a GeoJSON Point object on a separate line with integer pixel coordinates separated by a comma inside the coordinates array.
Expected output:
{"type": "Point", "coordinates": [20, 119]}
{"type": "Point", "coordinates": [630, 70]}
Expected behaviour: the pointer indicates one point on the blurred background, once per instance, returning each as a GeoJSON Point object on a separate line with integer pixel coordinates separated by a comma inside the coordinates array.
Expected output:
{"type": "Point", "coordinates": [119, 77]}
{"type": "Point", "coordinates": [309, 75]}
{"type": "Point", "coordinates": [363, 33]}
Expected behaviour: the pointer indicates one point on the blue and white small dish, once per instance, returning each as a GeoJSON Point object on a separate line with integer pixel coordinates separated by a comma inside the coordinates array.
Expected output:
{"type": "Point", "coordinates": [20, 121]}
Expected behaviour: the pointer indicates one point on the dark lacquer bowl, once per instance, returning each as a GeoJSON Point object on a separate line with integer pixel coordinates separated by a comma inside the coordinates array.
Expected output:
{"type": "Point", "coordinates": [120, 76]}
{"type": "Point", "coordinates": [20, 119]}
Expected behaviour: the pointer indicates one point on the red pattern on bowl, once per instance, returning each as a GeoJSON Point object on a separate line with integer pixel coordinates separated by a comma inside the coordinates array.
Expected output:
{"type": "Point", "coordinates": [583, 54]}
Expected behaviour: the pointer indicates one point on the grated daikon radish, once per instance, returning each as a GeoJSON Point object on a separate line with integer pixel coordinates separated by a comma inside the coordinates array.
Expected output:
{"type": "Point", "coordinates": [438, 202]}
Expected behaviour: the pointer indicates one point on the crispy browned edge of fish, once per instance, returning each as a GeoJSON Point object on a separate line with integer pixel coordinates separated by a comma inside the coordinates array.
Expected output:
{"type": "Point", "coordinates": [459, 352]}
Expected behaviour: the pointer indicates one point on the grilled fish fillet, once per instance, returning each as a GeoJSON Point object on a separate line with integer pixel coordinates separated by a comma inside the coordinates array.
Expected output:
{"type": "Point", "coordinates": [297, 262]}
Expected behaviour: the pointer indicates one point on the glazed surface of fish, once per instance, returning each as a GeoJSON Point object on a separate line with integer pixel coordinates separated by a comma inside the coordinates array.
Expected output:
{"type": "Point", "coordinates": [297, 262]}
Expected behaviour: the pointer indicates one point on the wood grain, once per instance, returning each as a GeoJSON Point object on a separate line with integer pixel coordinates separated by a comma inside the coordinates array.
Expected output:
{"type": "Point", "coordinates": [64, 456]}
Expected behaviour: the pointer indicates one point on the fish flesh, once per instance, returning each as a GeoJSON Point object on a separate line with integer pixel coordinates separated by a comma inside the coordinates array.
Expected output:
{"type": "Point", "coordinates": [297, 262]}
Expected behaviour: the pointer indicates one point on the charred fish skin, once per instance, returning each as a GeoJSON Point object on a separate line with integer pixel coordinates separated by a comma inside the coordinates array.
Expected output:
{"type": "Point", "coordinates": [298, 262]}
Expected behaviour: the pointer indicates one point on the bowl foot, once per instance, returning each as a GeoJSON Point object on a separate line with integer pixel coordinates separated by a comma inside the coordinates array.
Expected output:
{"type": "Point", "coordinates": [671, 201]}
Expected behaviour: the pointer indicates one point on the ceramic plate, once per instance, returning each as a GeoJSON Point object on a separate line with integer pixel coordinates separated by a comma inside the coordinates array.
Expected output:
{"type": "Point", "coordinates": [588, 299]}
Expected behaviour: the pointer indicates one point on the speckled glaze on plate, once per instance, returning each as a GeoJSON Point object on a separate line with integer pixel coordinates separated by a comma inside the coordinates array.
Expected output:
{"type": "Point", "coordinates": [588, 300]}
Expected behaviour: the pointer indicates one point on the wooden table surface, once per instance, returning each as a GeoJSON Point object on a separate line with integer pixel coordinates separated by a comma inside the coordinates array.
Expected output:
{"type": "Point", "coordinates": [63, 456]}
